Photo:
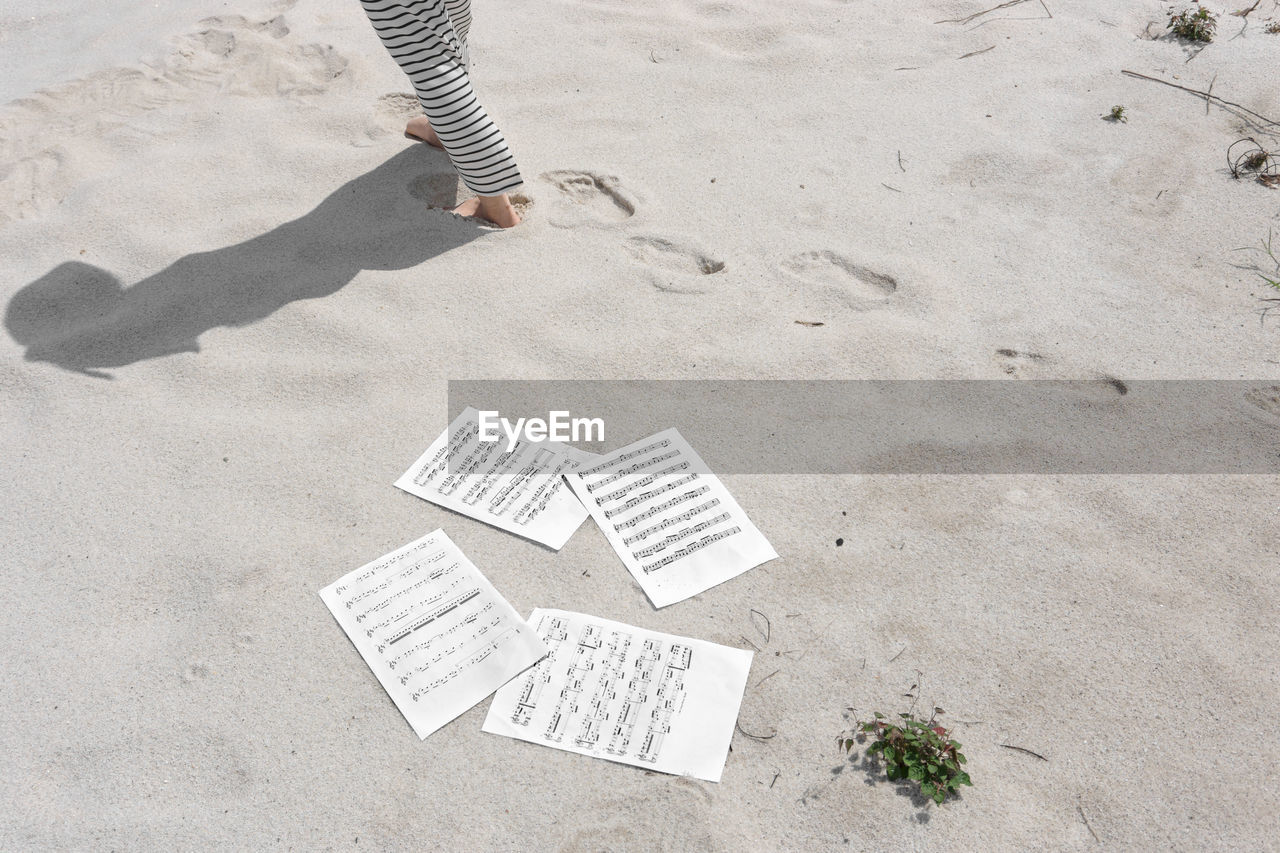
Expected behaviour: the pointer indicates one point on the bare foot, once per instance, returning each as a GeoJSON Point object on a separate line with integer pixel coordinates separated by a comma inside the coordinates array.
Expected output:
{"type": "Point", "coordinates": [420, 128]}
{"type": "Point", "coordinates": [493, 208]}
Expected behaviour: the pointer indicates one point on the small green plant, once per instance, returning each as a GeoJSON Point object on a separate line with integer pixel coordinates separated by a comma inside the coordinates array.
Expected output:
{"type": "Point", "coordinates": [1116, 114]}
{"type": "Point", "coordinates": [916, 750]}
{"type": "Point", "coordinates": [1268, 269]}
{"type": "Point", "coordinates": [1275, 262]}
{"type": "Point", "coordinates": [1194, 26]}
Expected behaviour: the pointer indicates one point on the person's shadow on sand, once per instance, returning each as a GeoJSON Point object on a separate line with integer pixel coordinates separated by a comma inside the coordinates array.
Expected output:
{"type": "Point", "coordinates": [81, 318]}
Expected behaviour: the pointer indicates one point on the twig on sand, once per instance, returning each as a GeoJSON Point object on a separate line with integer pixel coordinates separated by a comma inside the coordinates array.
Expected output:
{"type": "Point", "coordinates": [753, 645]}
{"type": "Point", "coordinates": [755, 737]}
{"type": "Point", "coordinates": [805, 650]}
{"type": "Point", "coordinates": [1209, 93]}
{"type": "Point", "coordinates": [899, 654]}
{"type": "Point", "coordinates": [775, 778]}
{"type": "Point", "coordinates": [1206, 95]}
{"type": "Point", "coordinates": [886, 186]}
{"type": "Point", "coordinates": [1254, 158]}
{"type": "Point", "coordinates": [1024, 749]}
{"type": "Point", "coordinates": [976, 15]}
{"type": "Point", "coordinates": [900, 166]}
{"type": "Point", "coordinates": [1083, 817]}
{"type": "Point", "coordinates": [975, 52]}
{"type": "Point", "coordinates": [767, 630]}
{"type": "Point", "coordinates": [767, 677]}
{"type": "Point", "coordinates": [1244, 13]}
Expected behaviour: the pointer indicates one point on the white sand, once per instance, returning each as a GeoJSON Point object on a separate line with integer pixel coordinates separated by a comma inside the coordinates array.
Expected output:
{"type": "Point", "coordinates": [291, 310]}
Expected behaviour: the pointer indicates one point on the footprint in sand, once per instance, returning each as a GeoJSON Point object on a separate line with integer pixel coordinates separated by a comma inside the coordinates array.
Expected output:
{"type": "Point", "coordinates": [442, 189]}
{"type": "Point", "coordinates": [229, 56]}
{"type": "Point", "coordinates": [389, 115]}
{"type": "Point", "coordinates": [585, 198]}
{"type": "Point", "coordinates": [1265, 399]}
{"type": "Point", "coordinates": [672, 267]}
{"type": "Point", "coordinates": [400, 106]}
{"type": "Point", "coordinates": [1016, 362]}
{"type": "Point", "coordinates": [688, 805]}
{"type": "Point", "coordinates": [847, 283]}
{"type": "Point", "coordinates": [276, 27]}
{"type": "Point", "coordinates": [195, 671]}
{"type": "Point", "coordinates": [1028, 364]}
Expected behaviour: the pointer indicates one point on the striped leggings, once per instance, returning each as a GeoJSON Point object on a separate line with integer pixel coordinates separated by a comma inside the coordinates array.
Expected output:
{"type": "Point", "coordinates": [428, 38]}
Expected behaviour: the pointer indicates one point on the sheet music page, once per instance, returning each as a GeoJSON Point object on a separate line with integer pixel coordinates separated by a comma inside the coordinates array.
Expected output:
{"type": "Point", "coordinates": [521, 491]}
{"type": "Point", "coordinates": [672, 521]}
{"type": "Point", "coordinates": [433, 629]}
{"type": "Point", "coordinates": [625, 694]}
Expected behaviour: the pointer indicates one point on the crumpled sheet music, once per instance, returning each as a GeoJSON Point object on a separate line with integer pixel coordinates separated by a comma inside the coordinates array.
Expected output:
{"type": "Point", "coordinates": [674, 524]}
{"type": "Point", "coordinates": [433, 630]}
{"type": "Point", "coordinates": [521, 491]}
{"type": "Point", "coordinates": [625, 694]}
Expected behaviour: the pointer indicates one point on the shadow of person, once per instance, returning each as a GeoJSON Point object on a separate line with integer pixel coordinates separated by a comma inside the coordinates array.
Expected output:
{"type": "Point", "coordinates": [81, 318]}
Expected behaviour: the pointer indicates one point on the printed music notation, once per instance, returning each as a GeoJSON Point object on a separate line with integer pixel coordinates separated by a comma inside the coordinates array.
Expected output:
{"type": "Point", "coordinates": [674, 524]}
{"type": "Point", "coordinates": [659, 508]}
{"type": "Point", "coordinates": [672, 521]}
{"type": "Point", "coordinates": [626, 694]}
{"type": "Point", "coordinates": [633, 502]}
{"type": "Point", "coordinates": [521, 490]}
{"type": "Point", "coordinates": [433, 629]}
{"type": "Point", "coordinates": [644, 481]}
{"type": "Point", "coordinates": [633, 469]}
{"type": "Point", "coordinates": [615, 459]}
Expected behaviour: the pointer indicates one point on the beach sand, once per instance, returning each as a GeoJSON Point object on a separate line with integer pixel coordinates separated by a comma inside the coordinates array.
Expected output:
{"type": "Point", "coordinates": [231, 313]}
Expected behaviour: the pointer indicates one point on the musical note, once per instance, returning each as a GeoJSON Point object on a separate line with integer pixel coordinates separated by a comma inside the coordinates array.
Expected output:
{"type": "Point", "coordinates": [551, 483]}
{"type": "Point", "coordinates": [656, 508]}
{"type": "Point", "coordinates": [627, 472]}
{"type": "Point", "coordinates": [691, 548]}
{"type": "Point", "coordinates": [672, 521]}
{"type": "Point", "coordinates": [430, 469]}
{"type": "Point", "coordinates": [623, 457]}
{"type": "Point", "coordinates": [641, 483]}
{"type": "Point", "coordinates": [517, 490]}
{"type": "Point", "coordinates": [431, 627]}
{"type": "Point", "coordinates": [627, 694]}
{"type": "Point", "coordinates": [673, 538]}
{"type": "Point", "coordinates": [501, 466]}
{"type": "Point", "coordinates": [651, 499]}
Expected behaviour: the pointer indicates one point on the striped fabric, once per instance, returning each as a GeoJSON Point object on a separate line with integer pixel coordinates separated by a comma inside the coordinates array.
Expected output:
{"type": "Point", "coordinates": [428, 38]}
